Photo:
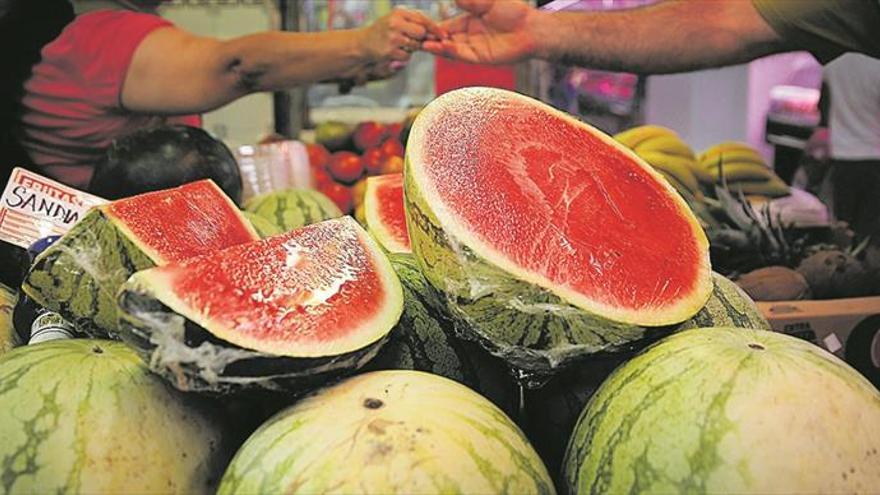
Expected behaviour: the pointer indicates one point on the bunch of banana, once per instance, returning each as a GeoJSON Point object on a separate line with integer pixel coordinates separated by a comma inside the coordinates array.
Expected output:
{"type": "Point", "coordinates": [668, 154]}
{"type": "Point", "coordinates": [743, 169]}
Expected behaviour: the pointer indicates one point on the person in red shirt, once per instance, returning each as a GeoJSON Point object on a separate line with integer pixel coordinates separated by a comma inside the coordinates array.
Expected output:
{"type": "Point", "coordinates": [117, 66]}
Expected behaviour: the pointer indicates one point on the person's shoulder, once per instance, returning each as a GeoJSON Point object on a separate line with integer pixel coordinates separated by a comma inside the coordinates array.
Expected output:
{"type": "Point", "coordinates": [116, 20]}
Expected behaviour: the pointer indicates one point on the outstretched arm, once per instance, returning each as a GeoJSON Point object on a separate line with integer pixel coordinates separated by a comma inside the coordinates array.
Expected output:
{"type": "Point", "coordinates": [672, 36]}
{"type": "Point", "coordinates": [175, 72]}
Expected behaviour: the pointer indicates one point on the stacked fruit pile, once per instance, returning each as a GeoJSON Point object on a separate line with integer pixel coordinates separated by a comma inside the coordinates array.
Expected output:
{"type": "Point", "coordinates": [542, 252]}
{"type": "Point", "coordinates": [733, 165]}
{"type": "Point", "coordinates": [343, 157]}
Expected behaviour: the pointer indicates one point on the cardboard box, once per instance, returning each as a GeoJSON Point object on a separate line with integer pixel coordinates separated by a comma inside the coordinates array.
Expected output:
{"type": "Point", "coordinates": [849, 328]}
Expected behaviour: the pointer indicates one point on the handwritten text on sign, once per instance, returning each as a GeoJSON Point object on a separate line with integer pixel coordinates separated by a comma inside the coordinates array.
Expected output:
{"type": "Point", "coordinates": [33, 207]}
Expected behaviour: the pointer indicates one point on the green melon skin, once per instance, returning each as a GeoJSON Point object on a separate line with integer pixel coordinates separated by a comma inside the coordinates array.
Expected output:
{"type": "Point", "coordinates": [729, 410]}
{"type": "Point", "coordinates": [8, 335]}
{"type": "Point", "coordinates": [424, 340]}
{"type": "Point", "coordinates": [388, 432]}
{"type": "Point", "coordinates": [86, 416]}
{"type": "Point", "coordinates": [79, 275]}
{"type": "Point", "coordinates": [553, 409]}
{"type": "Point", "coordinates": [293, 208]}
{"type": "Point", "coordinates": [191, 359]}
{"type": "Point", "coordinates": [263, 226]}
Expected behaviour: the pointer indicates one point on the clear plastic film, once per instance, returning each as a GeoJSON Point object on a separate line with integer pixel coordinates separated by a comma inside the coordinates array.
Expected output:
{"type": "Point", "coordinates": [535, 331]}
{"type": "Point", "coordinates": [79, 275]}
{"type": "Point", "coordinates": [193, 360]}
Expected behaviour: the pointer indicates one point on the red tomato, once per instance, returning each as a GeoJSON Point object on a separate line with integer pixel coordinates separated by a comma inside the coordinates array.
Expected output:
{"type": "Point", "coordinates": [321, 176]}
{"type": "Point", "coordinates": [339, 194]}
{"type": "Point", "coordinates": [392, 147]}
{"type": "Point", "coordinates": [369, 135]}
{"type": "Point", "coordinates": [345, 166]}
{"type": "Point", "coordinates": [372, 159]}
{"type": "Point", "coordinates": [318, 155]}
{"type": "Point", "coordinates": [394, 130]}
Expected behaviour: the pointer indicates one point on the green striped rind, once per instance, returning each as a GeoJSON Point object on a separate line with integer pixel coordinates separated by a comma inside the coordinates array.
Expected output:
{"type": "Point", "coordinates": [79, 275]}
{"type": "Point", "coordinates": [263, 226]}
{"type": "Point", "coordinates": [388, 432]}
{"type": "Point", "coordinates": [193, 360]}
{"type": "Point", "coordinates": [293, 208]}
{"type": "Point", "coordinates": [729, 306]}
{"type": "Point", "coordinates": [424, 340]}
{"type": "Point", "coordinates": [8, 336]}
{"type": "Point", "coordinates": [729, 411]}
{"type": "Point", "coordinates": [86, 416]}
{"type": "Point", "coordinates": [553, 409]}
{"type": "Point", "coordinates": [527, 326]}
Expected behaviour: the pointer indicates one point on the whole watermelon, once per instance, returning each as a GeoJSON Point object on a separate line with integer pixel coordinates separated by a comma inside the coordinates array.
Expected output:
{"type": "Point", "coordinates": [388, 432]}
{"type": "Point", "coordinates": [293, 208]}
{"type": "Point", "coordinates": [86, 416]}
{"type": "Point", "coordinates": [553, 409]}
{"type": "Point", "coordinates": [729, 410]}
{"type": "Point", "coordinates": [424, 340]}
{"type": "Point", "coordinates": [164, 157]}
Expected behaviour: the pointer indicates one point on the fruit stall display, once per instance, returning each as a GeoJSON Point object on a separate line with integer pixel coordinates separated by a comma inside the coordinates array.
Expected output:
{"type": "Point", "coordinates": [730, 186]}
{"type": "Point", "coordinates": [526, 305]}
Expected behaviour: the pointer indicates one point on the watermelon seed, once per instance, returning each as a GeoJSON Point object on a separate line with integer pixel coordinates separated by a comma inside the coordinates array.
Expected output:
{"type": "Point", "coordinates": [757, 346]}
{"type": "Point", "coordinates": [97, 350]}
{"type": "Point", "coordinates": [373, 403]}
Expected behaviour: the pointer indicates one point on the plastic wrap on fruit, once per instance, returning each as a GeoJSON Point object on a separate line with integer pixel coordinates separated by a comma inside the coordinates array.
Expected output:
{"type": "Point", "coordinates": [79, 275]}
{"type": "Point", "coordinates": [547, 241]}
{"type": "Point", "coordinates": [278, 314]}
{"type": "Point", "coordinates": [193, 360]}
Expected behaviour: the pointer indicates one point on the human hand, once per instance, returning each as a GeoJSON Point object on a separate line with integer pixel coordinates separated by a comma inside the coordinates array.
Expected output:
{"type": "Point", "coordinates": [490, 32]}
{"type": "Point", "coordinates": [395, 36]}
{"type": "Point", "coordinates": [817, 146]}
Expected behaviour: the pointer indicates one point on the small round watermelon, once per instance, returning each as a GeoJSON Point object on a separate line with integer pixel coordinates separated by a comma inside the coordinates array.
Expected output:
{"type": "Point", "coordinates": [262, 225]}
{"type": "Point", "coordinates": [293, 208]}
{"type": "Point", "coordinates": [729, 410]}
{"type": "Point", "coordinates": [86, 416]}
{"type": "Point", "coordinates": [388, 432]}
{"type": "Point", "coordinates": [549, 240]}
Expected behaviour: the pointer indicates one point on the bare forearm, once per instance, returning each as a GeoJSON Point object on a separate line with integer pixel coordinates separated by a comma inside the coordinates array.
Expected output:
{"type": "Point", "coordinates": [276, 60]}
{"type": "Point", "coordinates": [204, 73]}
{"type": "Point", "coordinates": [672, 36]}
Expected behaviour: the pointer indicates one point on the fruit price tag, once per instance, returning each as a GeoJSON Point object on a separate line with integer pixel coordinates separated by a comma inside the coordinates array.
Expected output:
{"type": "Point", "coordinates": [33, 207]}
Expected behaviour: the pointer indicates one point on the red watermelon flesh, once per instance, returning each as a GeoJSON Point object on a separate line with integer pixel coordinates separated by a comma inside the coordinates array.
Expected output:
{"type": "Point", "coordinates": [561, 205]}
{"type": "Point", "coordinates": [386, 218]}
{"type": "Point", "coordinates": [325, 289]}
{"type": "Point", "coordinates": [175, 224]}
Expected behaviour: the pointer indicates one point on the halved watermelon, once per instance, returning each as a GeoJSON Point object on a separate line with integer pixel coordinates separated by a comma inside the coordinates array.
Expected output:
{"type": "Point", "coordinates": [79, 275]}
{"type": "Point", "coordinates": [549, 239]}
{"type": "Point", "coordinates": [386, 220]}
{"type": "Point", "coordinates": [318, 299]}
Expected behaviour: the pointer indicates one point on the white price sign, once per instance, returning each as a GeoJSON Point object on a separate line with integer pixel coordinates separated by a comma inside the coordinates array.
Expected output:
{"type": "Point", "coordinates": [33, 207]}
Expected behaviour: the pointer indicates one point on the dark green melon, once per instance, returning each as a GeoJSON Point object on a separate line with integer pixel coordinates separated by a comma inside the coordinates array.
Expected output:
{"type": "Point", "coordinates": [79, 275]}
{"type": "Point", "coordinates": [424, 340]}
{"type": "Point", "coordinates": [293, 208]}
{"type": "Point", "coordinates": [553, 409]}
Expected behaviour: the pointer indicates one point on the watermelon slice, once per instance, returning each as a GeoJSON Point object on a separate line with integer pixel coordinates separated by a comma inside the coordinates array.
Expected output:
{"type": "Point", "coordinates": [383, 203]}
{"type": "Point", "coordinates": [79, 275]}
{"type": "Point", "coordinates": [317, 299]}
{"type": "Point", "coordinates": [549, 240]}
